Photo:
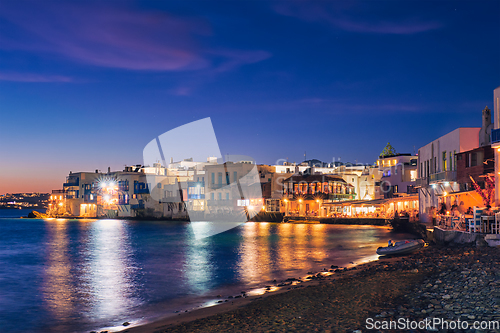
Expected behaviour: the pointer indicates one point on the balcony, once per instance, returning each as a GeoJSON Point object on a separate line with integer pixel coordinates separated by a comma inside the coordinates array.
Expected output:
{"type": "Point", "coordinates": [220, 203]}
{"type": "Point", "coordinates": [495, 136]}
{"type": "Point", "coordinates": [72, 182]}
{"type": "Point", "coordinates": [342, 196]}
{"type": "Point", "coordinates": [141, 188]}
{"type": "Point", "coordinates": [138, 206]}
{"type": "Point", "coordinates": [216, 186]}
{"type": "Point", "coordinates": [422, 182]}
{"type": "Point", "coordinates": [445, 176]}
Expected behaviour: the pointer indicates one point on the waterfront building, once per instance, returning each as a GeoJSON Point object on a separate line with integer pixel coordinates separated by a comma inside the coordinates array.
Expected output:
{"type": "Point", "coordinates": [77, 198]}
{"type": "Point", "coordinates": [311, 194]}
{"type": "Point", "coordinates": [361, 177]}
{"type": "Point", "coordinates": [223, 191]}
{"type": "Point", "coordinates": [437, 166]}
{"type": "Point", "coordinates": [398, 174]}
{"type": "Point", "coordinates": [495, 142]}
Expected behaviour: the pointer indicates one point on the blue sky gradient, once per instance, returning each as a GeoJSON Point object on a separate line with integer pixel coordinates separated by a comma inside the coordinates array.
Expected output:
{"type": "Point", "coordinates": [86, 85]}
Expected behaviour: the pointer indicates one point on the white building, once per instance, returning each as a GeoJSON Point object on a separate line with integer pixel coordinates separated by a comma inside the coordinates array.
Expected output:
{"type": "Point", "coordinates": [495, 142]}
{"type": "Point", "coordinates": [437, 165]}
{"type": "Point", "coordinates": [398, 175]}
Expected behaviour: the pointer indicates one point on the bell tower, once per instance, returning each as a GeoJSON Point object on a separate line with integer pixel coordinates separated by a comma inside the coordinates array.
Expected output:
{"type": "Point", "coordinates": [485, 132]}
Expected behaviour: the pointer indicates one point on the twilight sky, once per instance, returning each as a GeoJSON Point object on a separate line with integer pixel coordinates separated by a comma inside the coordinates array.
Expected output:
{"type": "Point", "coordinates": [86, 85]}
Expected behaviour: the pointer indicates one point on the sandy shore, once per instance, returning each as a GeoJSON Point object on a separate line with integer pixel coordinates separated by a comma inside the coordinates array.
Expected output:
{"type": "Point", "coordinates": [342, 301]}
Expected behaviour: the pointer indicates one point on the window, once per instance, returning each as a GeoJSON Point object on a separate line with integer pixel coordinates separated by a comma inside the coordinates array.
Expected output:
{"type": "Point", "coordinates": [444, 161]}
{"type": "Point", "coordinates": [467, 160]}
{"type": "Point", "coordinates": [473, 159]}
{"type": "Point", "coordinates": [213, 178]}
{"type": "Point", "coordinates": [242, 203]}
{"type": "Point", "coordinates": [219, 196]}
{"type": "Point", "coordinates": [159, 185]}
{"type": "Point", "coordinates": [211, 196]}
{"type": "Point", "coordinates": [235, 176]}
{"type": "Point", "coordinates": [219, 178]}
{"type": "Point", "coordinates": [451, 161]}
{"type": "Point", "coordinates": [455, 160]}
{"type": "Point", "coordinates": [227, 196]}
{"type": "Point", "coordinates": [395, 188]}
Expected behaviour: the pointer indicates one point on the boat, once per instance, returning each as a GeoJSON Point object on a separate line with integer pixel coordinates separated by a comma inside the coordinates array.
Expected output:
{"type": "Point", "coordinates": [401, 247]}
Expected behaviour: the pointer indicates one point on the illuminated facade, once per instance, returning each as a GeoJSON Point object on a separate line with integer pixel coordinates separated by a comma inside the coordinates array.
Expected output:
{"type": "Point", "coordinates": [495, 142]}
{"type": "Point", "coordinates": [437, 166]}
{"type": "Point", "coordinates": [305, 195]}
{"type": "Point", "coordinates": [398, 174]}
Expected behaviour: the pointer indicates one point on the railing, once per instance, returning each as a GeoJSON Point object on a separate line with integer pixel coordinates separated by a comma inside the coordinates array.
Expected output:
{"type": "Point", "coordinates": [196, 196]}
{"type": "Point", "coordinates": [444, 176]}
{"type": "Point", "coordinates": [138, 206]}
{"type": "Point", "coordinates": [216, 186]}
{"type": "Point", "coordinates": [422, 182]}
{"type": "Point", "coordinates": [73, 181]}
{"type": "Point", "coordinates": [141, 188]}
{"type": "Point", "coordinates": [342, 196]}
{"type": "Point", "coordinates": [495, 135]}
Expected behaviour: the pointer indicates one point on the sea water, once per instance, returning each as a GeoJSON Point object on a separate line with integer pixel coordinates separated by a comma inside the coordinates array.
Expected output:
{"type": "Point", "coordinates": [62, 275]}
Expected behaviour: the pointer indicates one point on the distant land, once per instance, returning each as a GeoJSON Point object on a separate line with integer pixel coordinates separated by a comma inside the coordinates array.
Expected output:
{"type": "Point", "coordinates": [24, 200]}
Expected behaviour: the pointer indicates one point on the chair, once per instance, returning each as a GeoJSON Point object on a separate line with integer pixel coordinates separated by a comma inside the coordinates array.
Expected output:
{"type": "Point", "coordinates": [475, 222]}
{"type": "Point", "coordinates": [486, 222]}
{"type": "Point", "coordinates": [455, 222]}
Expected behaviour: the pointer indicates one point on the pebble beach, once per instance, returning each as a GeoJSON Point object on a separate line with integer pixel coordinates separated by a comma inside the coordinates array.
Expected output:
{"type": "Point", "coordinates": [450, 284]}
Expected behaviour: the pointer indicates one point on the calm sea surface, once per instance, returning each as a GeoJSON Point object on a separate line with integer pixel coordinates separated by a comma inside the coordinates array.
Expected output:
{"type": "Point", "coordinates": [82, 275]}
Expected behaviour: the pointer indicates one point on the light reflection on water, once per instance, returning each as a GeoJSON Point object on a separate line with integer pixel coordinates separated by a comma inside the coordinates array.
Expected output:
{"type": "Point", "coordinates": [110, 280]}
{"type": "Point", "coordinates": [78, 276]}
{"type": "Point", "coordinates": [56, 287]}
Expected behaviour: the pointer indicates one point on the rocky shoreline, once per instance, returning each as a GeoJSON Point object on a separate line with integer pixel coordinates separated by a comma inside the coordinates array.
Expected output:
{"type": "Point", "coordinates": [459, 283]}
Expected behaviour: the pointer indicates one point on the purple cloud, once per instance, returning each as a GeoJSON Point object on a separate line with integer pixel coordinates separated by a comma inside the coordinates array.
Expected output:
{"type": "Point", "coordinates": [113, 37]}
{"type": "Point", "coordinates": [29, 77]}
{"type": "Point", "coordinates": [339, 15]}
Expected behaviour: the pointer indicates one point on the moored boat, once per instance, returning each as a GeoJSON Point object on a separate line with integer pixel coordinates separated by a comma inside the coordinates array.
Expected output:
{"type": "Point", "coordinates": [401, 247]}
